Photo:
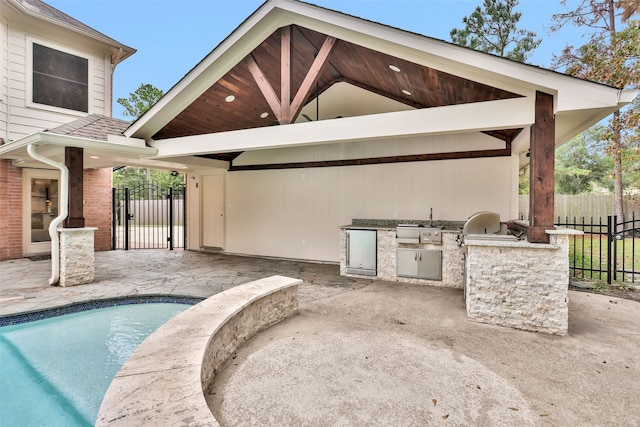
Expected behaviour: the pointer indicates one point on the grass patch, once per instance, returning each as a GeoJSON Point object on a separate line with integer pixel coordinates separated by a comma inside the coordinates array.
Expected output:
{"type": "Point", "coordinates": [588, 257]}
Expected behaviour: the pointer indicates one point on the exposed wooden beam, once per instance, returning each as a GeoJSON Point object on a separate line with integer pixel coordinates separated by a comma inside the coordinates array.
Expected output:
{"type": "Point", "coordinates": [455, 155]}
{"type": "Point", "coordinates": [285, 75]}
{"type": "Point", "coordinates": [265, 87]}
{"type": "Point", "coordinates": [311, 77]}
{"type": "Point", "coordinates": [507, 135]}
{"type": "Point", "coordinates": [541, 180]}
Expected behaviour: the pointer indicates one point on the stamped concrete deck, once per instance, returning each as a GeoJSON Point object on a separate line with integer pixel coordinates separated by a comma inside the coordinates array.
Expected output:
{"type": "Point", "coordinates": [376, 353]}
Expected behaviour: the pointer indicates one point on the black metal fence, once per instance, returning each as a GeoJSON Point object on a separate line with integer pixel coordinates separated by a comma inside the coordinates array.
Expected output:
{"type": "Point", "coordinates": [607, 250]}
{"type": "Point", "coordinates": [148, 217]}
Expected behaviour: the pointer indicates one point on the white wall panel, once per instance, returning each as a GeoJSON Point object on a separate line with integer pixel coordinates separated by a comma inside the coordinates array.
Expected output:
{"type": "Point", "coordinates": [377, 148]}
{"type": "Point", "coordinates": [295, 213]}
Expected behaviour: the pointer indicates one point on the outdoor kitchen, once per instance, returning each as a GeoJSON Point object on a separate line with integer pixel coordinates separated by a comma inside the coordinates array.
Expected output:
{"type": "Point", "coordinates": [507, 280]}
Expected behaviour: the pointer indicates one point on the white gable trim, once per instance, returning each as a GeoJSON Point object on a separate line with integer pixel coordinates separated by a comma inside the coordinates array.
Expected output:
{"type": "Point", "coordinates": [569, 93]}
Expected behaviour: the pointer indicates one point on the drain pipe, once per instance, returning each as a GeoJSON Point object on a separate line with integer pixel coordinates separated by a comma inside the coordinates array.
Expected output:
{"type": "Point", "coordinates": [63, 211]}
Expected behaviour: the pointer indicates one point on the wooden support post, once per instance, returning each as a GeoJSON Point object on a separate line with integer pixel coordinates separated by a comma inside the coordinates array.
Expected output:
{"type": "Point", "coordinates": [73, 160]}
{"type": "Point", "coordinates": [285, 75]}
{"type": "Point", "coordinates": [542, 170]}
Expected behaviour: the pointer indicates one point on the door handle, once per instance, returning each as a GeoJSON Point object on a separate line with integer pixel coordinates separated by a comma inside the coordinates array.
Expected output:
{"type": "Point", "coordinates": [348, 245]}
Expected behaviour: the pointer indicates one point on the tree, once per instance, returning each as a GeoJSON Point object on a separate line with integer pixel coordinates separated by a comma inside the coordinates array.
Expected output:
{"type": "Point", "coordinates": [581, 164]}
{"type": "Point", "coordinates": [136, 105]}
{"type": "Point", "coordinates": [140, 100]}
{"type": "Point", "coordinates": [492, 29]}
{"type": "Point", "coordinates": [131, 177]}
{"type": "Point", "coordinates": [629, 7]}
{"type": "Point", "coordinates": [610, 57]}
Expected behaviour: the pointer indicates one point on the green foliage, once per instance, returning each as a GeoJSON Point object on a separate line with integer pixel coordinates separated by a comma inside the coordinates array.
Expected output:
{"type": "Point", "coordinates": [523, 183]}
{"type": "Point", "coordinates": [610, 57]}
{"type": "Point", "coordinates": [492, 29]}
{"type": "Point", "coordinates": [136, 105]}
{"type": "Point", "coordinates": [614, 60]}
{"type": "Point", "coordinates": [581, 163]}
{"type": "Point", "coordinates": [130, 177]}
{"type": "Point", "coordinates": [141, 100]}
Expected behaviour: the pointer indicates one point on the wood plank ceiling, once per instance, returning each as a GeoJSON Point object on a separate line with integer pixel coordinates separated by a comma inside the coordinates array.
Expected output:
{"type": "Point", "coordinates": [312, 65]}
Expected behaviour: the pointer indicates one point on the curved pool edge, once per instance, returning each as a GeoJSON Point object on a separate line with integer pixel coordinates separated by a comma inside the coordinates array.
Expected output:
{"type": "Point", "coordinates": [93, 304]}
{"type": "Point", "coordinates": [164, 380]}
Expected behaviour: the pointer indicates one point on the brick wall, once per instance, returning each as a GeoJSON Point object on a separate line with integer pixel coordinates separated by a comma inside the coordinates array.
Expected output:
{"type": "Point", "coordinates": [97, 208]}
{"type": "Point", "coordinates": [10, 211]}
{"type": "Point", "coordinates": [97, 205]}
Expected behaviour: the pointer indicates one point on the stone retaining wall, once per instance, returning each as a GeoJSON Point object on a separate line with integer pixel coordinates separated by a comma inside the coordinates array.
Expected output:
{"type": "Point", "coordinates": [162, 383]}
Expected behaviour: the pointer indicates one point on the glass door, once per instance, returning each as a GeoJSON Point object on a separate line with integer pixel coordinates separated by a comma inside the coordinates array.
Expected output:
{"type": "Point", "coordinates": [40, 195]}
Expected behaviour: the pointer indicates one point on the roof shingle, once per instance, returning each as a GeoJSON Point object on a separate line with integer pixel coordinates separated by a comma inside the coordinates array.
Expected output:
{"type": "Point", "coordinates": [93, 126]}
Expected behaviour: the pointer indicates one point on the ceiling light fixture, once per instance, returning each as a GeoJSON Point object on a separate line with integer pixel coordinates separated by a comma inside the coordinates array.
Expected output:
{"type": "Point", "coordinates": [94, 157]}
{"type": "Point", "coordinates": [406, 92]}
{"type": "Point", "coordinates": [394, 68]}
{"type": "Point", "coordinates": [230, 98]}
{"type": "Point", "coordinates": [264, 115]}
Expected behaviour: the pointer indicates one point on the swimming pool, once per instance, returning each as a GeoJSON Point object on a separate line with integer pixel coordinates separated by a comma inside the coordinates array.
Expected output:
{"type": "Point", "coordinates": [56, 371]}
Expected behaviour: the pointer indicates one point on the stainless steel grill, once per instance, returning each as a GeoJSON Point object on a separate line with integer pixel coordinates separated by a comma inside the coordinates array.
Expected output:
{"type": "Point", "coordinates": [486, 226]}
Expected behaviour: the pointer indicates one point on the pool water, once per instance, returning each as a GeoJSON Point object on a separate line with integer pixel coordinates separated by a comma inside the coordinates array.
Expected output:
{"type": "Point", "coordinates": [56, 371]}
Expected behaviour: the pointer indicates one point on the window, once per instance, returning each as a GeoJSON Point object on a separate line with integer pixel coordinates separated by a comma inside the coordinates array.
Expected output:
{"type": "Point", "coordinates": [60, 79]}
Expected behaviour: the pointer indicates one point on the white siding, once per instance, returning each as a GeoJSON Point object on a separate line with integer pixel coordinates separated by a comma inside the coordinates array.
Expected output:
{"type": "Point", "coordinates": [4, 73]}
{"type": "Point", "coordinates": [24, 117]}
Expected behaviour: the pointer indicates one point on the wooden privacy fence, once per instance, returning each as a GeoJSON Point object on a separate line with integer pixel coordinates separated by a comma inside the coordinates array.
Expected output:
{"type": "Point", "coordinates": [585, 205]}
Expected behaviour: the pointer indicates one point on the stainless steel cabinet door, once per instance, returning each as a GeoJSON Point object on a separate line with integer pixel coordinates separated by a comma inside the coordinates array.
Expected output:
{"type": "Point", "coordinates": [407, 263]}
{"type": "Point", "coordinates": [430, 265]}
{"type": "Point", "coordinates": [362, 251]}
{"type": "Point", "coordinates": [419, 263]}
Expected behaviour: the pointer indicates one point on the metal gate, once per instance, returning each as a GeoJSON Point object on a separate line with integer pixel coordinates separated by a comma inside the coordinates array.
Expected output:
{"type": "Point", "coordinates": [148, 217]}
{"type": "Point", "coordinates": [608, 250]}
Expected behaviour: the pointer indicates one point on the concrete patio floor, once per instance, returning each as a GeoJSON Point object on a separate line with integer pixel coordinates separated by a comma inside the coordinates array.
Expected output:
{"type": "Point", "coordinates": [362, 352]}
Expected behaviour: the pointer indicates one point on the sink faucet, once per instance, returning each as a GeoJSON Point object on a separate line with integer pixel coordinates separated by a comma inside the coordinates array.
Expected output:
{"type": "Point", "coordinates": [430, 217]}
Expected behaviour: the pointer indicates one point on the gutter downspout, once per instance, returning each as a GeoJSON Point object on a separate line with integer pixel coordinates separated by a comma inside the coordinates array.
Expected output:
{"type": "Point", "coordinates": [63, 205]}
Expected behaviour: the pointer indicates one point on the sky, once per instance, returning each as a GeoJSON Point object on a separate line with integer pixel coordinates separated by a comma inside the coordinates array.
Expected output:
{"type": "Point", "coordinates": [172, 36]}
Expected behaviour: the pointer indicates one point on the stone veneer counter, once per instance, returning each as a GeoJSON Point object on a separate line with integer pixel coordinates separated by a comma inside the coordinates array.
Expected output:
{"type": "Point", "coordinates": [510, 283]}
{"type": "Point", "coordinates": [518, 284]}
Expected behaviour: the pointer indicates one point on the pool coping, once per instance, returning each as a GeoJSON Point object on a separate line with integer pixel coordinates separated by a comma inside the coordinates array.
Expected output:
{"type": "Point", "coordinates": [80, 306]}
{"type": "Point", "coordinates": [165, 379]}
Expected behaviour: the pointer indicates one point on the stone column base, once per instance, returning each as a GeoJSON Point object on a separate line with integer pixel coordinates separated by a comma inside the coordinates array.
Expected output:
{"type": "Point", "coordinates": [77, 261]}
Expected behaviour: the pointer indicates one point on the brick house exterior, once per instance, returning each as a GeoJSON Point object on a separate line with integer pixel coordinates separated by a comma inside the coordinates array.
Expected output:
{"type": "Point", "coordinates": [36, 35]}
{"type": "Point", "coordinates": [10, 211]}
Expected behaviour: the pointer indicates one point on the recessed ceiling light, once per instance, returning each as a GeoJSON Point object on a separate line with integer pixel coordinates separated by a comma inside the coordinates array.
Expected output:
{"type": "Point", "coordinates": [394, 68]}
{"type": "Point", "coordinates": [230, 98]}
{"type": "Point", "coordinates": [94, 157]}
{"type": "Point", "coordinates": [264, 115]}
{"type": "Point", "coordinates": [406, 92]}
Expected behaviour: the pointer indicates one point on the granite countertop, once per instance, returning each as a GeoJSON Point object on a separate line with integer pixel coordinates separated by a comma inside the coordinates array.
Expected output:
{"type": "Point", "coordinates": [391, 224]}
